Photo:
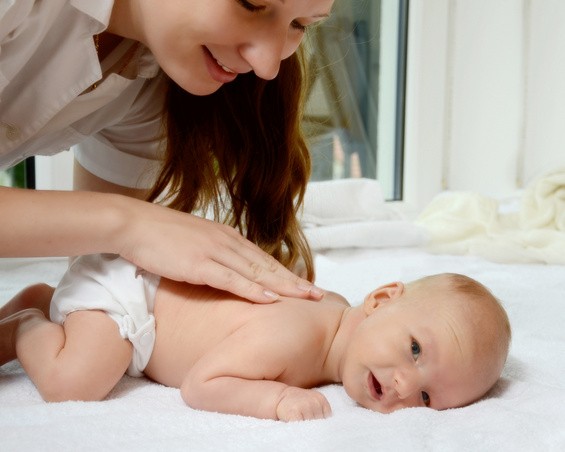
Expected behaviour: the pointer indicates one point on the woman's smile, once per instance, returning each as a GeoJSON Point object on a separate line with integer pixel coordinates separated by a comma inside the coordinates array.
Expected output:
{"type": "Point", "coordinates": [218, 71]}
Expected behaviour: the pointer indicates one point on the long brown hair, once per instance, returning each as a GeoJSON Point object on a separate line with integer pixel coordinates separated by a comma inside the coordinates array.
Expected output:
{"type": "Point", "coordinates": [244, 140]}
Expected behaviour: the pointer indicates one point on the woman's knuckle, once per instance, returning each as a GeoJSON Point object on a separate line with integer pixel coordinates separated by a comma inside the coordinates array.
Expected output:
{"type": "Point", "coordinates": [271, 263]}
{"type": "Point", "coordinates": [256, 271]}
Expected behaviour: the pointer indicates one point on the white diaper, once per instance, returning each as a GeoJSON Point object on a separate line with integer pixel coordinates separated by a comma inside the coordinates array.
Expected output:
{"type": "Point", "coordinates": [108, 283]}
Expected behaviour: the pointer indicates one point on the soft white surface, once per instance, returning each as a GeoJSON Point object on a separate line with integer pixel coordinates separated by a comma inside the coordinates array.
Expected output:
{"type": "Point", "coordinates": [524, 412]}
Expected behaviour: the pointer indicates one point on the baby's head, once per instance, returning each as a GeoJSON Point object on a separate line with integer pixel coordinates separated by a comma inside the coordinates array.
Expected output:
{"type": "Point", "coordinates": [440, 341]}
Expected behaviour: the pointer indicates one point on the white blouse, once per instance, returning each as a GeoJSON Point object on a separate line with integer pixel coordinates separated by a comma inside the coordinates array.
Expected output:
{"type": "Point", "coordinates": [48, 62]}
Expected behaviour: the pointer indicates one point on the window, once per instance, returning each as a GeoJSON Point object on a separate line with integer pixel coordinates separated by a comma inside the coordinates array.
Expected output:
{"type": "Point", "coordinates": [354, 117]}
{"type": "Point", "coordinates": [22, 175]}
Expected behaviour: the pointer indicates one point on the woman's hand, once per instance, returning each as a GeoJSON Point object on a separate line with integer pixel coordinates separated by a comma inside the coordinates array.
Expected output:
{"type": "Point", "coordinates": [188, 248]}
{"type": "Point", "coordinates": [172, 244]}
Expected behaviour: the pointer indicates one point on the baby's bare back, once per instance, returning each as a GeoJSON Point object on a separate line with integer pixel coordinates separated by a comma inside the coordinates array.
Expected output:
{"type": "Point", "coordinates": [192, 320]}
{"type": "Point", "coordinates": [189, 321]}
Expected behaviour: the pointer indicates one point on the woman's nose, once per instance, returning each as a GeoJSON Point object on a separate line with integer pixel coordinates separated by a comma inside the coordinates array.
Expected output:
{"type": "Point", "coordinates": [265, 53]}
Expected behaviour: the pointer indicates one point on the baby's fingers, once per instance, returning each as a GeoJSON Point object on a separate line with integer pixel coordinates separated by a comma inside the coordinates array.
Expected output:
{"type": "Point", "coordinates": [302, 404]}
{"type": "Point", "coordinates": [322, 408]}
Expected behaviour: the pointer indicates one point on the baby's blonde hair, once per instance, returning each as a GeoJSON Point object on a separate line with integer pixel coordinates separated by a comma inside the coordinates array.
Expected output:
{"type": "Point", "coordinates": [474, 290]}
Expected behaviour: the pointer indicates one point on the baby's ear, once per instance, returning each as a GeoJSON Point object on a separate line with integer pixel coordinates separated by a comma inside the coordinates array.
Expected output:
{"type": "Point", "coordinates": [382, 295]}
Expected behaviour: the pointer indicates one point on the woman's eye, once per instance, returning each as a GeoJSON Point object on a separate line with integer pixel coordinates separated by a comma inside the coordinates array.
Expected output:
{"type": "Point", "coordinates": [256, 8]}
{"type": "Point", "coordinates": [426, 398]}
{"type": "Point", "coordinates": [250, 6]}
{"type": "Point", "coordinates": [416, 350]}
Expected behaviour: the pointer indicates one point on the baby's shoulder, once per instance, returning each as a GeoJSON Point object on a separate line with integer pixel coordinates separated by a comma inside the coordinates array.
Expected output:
{"type": "Point", "coordinates": [296, 321]}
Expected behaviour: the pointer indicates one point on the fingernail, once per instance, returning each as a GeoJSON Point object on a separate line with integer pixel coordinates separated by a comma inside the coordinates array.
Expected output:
{"type": "Point", "coordinates": [316, 291]}
{"type": "Point", "coordinates": [304, 287]}
{"type": "Point", "coordinates": [271, 295]}
{"type": "Point", "coordinates": [313, 290]}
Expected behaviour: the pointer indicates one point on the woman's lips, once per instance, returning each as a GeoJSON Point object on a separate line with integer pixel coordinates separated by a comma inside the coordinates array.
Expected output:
{"type": "Point", "coordinates": [375, 387]}
{"type": "Point", "coordinates": [216, 70]}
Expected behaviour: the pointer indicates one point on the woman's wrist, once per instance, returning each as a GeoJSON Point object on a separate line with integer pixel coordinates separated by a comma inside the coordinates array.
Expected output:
{"type": "Point", "coordinates": [120, 220]}
{"type": "Point", "coordinates": [59, 223]}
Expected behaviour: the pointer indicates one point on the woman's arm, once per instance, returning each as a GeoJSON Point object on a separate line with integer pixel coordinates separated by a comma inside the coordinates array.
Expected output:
{"type": "Point", "coordinates": [163, 241]}
{"type": "Point", "coordinates": [57, 223]}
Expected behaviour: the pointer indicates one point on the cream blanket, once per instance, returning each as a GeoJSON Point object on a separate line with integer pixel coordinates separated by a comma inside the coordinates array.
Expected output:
{"type": "Point", "coordinates": [469, 223]}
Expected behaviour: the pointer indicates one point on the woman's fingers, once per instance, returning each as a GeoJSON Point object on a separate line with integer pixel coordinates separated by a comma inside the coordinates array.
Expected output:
{"type": "Point", "coordinates": [238, 266]}
{"type": "Point", "coordinates": [255, 265]}
{"type": "Point", "coordinates": [188, 248]}
{"type": "Point", "coordinates": [221, 277]}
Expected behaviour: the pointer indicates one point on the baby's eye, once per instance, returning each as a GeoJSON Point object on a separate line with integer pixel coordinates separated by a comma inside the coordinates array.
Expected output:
{"type": "Point", "coordinates": [416, 350]}
{"type": "Point", "coordinates": [426, 398]}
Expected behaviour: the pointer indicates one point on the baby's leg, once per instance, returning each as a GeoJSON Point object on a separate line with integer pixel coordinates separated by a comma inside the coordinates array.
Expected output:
{"type": "Point", "coordinates": [81, 360]}
{"type": "Point", "coordinates": [8, 329]}
{"type": "Point", "coordinates": [37, 296]}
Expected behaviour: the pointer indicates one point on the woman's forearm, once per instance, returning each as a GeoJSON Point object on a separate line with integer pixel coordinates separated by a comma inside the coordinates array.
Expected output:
{"type": "Point", "coordinates": [58, 223]}
{"type": "Point", "coordinates": [166, 242]}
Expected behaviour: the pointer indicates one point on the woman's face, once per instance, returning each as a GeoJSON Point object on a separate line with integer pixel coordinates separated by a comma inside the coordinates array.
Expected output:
{"type": "Point", "coordinates": [202, 44]}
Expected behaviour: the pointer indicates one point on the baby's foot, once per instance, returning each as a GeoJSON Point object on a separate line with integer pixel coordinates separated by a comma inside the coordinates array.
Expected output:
{"type": "Point", "coordinates": [37, 296]}
{"type": "Point", "coordinates": [8, 329]}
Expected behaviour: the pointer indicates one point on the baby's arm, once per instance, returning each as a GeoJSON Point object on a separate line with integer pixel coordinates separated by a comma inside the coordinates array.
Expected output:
{"type": "Point", "coordinates": [263, 399]}
{"type": "Point", "coordinates": [239, 377]}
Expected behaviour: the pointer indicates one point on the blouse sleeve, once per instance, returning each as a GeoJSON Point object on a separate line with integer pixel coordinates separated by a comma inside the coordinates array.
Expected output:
{"type": "Point", "coordinates": [12, 15]}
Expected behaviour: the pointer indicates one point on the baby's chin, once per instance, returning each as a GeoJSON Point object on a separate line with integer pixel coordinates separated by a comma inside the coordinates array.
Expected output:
{"type": "Point", "coordinates": [379, 408]}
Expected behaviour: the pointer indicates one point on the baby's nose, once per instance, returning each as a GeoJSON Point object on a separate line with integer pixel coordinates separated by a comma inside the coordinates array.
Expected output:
{"type": "Point", "coordinates": [406, 384]}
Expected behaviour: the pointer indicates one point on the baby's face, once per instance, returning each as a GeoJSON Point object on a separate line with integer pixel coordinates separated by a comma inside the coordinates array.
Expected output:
{"type": "Point", "coordinates": [413, 354]}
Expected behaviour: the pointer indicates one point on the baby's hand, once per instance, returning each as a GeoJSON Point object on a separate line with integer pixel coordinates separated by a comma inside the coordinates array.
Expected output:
{"type": "Point", "coordinates": [297, 404]}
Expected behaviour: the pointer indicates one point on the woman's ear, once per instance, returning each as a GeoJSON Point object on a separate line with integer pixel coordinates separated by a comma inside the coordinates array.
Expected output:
{"type": "Point", "coordinates": [382, 295]}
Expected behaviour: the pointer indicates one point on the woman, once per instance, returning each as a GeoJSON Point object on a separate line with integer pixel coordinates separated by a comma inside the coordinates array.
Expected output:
{"type": "Point", "coordinates": [101, 74]}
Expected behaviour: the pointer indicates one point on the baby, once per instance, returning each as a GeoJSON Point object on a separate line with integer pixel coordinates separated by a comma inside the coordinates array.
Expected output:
{"type": "Point", "coordinates": [438, 342]}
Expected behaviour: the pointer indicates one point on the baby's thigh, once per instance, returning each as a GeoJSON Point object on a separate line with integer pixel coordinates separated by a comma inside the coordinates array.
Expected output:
{"type": "Point", "coordinates": [95, 353]}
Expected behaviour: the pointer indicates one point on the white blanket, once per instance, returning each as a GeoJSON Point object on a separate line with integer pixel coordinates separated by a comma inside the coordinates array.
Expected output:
{"type": "Point", "coordinates": [533, 231]}
{"type": "Point", "coordinates": [524, 412]}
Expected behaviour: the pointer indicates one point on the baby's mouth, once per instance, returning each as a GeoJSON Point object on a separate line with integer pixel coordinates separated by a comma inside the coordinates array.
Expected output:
{"type": "Point", "coordinates": [375, 387]}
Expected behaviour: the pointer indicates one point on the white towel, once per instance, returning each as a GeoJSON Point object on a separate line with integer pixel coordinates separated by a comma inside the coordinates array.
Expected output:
{"type": "Point", "coordinates": [524, 412]}
{"type": "Point", "coordinates": [345, 201]}
{"type": "Point", "coordinates": [353, 213]}
{"type": "Point", "coordinates": [366, 234]}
